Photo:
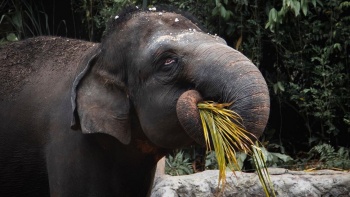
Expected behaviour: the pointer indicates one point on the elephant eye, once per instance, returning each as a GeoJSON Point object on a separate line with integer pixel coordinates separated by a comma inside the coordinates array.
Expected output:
{"type": "Point", "coordinates": [169, 64]}
{"type": "Point", "coordinates": [169, 61]}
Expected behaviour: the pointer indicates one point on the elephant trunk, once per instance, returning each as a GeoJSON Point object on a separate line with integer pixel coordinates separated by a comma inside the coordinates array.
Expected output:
{"type": "Point", "coordinates": [224, 75]}
{"type": "Point", "coordinates": [188, 115]}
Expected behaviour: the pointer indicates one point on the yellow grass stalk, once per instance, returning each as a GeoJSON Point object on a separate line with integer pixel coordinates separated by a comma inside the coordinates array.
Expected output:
{"type": "Point", "coordinates": [260, 165]}
{"type": "Point", "coordinates": [224, 131]}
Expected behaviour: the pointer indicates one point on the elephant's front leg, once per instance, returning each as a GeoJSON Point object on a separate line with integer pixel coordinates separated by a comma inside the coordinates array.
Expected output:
{"type": "Point", "coordinates": [78, 166]}
{"type": "Point", "coordinates": [97, 165]}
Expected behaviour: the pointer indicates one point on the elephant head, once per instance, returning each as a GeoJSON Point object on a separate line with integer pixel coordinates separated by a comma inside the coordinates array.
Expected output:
{"type": "Point", "coordinates": [157, 66]}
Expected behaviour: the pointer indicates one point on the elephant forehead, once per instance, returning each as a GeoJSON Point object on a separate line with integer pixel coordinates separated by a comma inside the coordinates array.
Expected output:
{"type": "Point", "coordinates": [182, 38]}
{"type": "Point", "coordinates": [171, 37]}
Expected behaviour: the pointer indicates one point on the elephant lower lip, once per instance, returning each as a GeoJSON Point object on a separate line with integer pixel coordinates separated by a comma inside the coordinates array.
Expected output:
{"type": "Point", "coordinates": [188, 115]}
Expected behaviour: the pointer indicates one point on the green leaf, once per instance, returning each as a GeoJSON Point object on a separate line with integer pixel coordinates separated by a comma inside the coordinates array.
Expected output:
{"type": "Point", "coordinates": [241, 156]}
{"type": "Point", "coordinates": [11, 37]}
{"type": "Point", "coordinates": [284, 158]}
{"type": "Point", "coordinates": [287, 2]}
{"type": "Point", "coordinates": [223, 12]}
{"type": "Point", "coordinates": [215, 11]}
{"type": "Point", "coordinates": [296, 8]}
{"type": "Point", "coordinates": [228, 14]}
{"type": "Point", "coordinates": [344, 4]}
{"type": "Point", "coordinates": [313, 2]}
{"type": "Point", "coordinates": [319, 2]}
{"type": "Point", "coordinates": [337, 46]}
{"type": "Point", "coordinates": [2, 18]}
{"type": "Point", "coordinates": [275, 88]}
{"type": "Point", "coordinates": [280, 86]}
{"type": "Point", "coordinates": [273, 15]}
{"type": "Point", "coordinates": [304, 7]}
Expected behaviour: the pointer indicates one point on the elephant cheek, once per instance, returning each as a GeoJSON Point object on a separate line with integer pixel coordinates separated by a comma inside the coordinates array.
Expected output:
{"type": "Point", "coordinates": [163, 129]}
{"type": "Point", "coordinates": [188, 115]}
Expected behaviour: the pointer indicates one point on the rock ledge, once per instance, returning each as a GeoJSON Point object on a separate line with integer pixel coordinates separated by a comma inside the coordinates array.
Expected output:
{"type": "Point", "coordinates": [286, 183]}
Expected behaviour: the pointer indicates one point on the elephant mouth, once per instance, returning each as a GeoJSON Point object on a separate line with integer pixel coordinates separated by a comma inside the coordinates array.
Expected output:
{"type": "Point", "coordinates": [188, 115]}
{"type": "Point", "coordinates": [254, 110]}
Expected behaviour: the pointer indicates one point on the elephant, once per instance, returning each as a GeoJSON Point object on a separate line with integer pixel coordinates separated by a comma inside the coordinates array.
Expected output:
{"type": "Point", "coordinates": [92, 119]}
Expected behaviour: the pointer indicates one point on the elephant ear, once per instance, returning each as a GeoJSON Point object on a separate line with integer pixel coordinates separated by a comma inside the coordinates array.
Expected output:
{"type": "Point", "coordinates": [98, 105]}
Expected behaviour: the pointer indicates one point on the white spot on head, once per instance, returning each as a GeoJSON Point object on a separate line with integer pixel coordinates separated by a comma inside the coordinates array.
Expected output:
{"type": "Point", "coordinates": [160, 14]}
{"type": "Point", "coordinates": [176, 20]}
{"type": "Point", "coordinates": [116, 17]}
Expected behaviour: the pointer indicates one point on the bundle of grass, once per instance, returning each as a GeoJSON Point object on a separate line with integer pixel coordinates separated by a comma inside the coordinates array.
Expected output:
{"type": "Point", "coordinates": [223, 129]}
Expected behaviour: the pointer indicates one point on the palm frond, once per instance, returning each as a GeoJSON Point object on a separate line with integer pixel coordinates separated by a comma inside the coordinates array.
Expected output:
{"type": "Point", "coordinates": [224, 131]}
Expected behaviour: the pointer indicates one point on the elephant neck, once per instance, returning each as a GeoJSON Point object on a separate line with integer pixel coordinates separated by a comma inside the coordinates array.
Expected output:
{"type": "Point", "coordinates": [141, 143]}
{"type": "Point", "coordinates": [148, 148]}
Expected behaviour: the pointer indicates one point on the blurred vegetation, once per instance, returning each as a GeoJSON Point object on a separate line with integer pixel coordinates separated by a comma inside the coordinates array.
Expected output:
{"type": "Point", "coordinates": [327, 157]}
{"type": "Point", "coordinates": [178, 165]}
{"type": "Point", "coordinates": [22, 19]}
{"type": "Point", "coordinates": [300, 46]}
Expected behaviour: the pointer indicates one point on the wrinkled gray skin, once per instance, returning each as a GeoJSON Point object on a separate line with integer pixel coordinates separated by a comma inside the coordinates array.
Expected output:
{"type": "Point", "coordinates": [85, 119]}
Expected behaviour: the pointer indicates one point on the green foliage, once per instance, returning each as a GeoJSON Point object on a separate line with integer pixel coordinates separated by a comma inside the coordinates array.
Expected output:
{"type": "Point", "coordinates": [221, 10]}
{"type": "Point", "coordinates": [96, 14]}
{"type": "Point", "coordinates": [330, 158]}
{"type": "Point", "coordinates": [178, 165]}
{"type": "Point", "coordinates": [313, 67]}
{"type": "Point", "coordinates": [273, 159]}
{"type": "Point", "coordinates": [302, 53]}
{"type": "Point", "coordinates": [23, 19]}
{"type": "Point", "coordinates": [211, 162]}
{"type": "Point", "coordinates": [295, 6]}
{"type": "Point", "coordinates": [240, 157]}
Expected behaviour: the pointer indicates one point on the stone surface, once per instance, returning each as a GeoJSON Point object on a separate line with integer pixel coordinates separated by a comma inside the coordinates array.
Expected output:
{"type": "Point", "coordinates": [286, 183]}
